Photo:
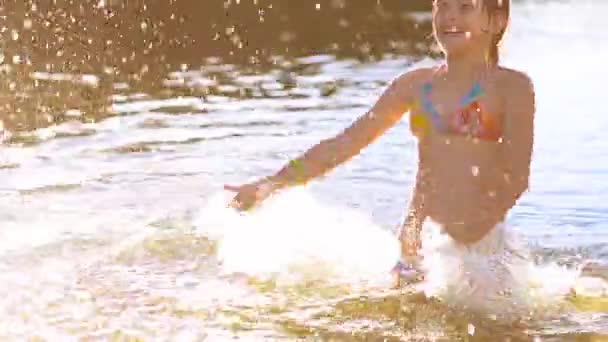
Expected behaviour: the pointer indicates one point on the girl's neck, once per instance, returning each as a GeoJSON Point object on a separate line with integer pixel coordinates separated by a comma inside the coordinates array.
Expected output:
{"type": "Point", "coordinates": [471, 65]}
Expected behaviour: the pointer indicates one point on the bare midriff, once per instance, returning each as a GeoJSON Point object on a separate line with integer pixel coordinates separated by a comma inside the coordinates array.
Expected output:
{"type": "Point", "coordinates": [464, 180]}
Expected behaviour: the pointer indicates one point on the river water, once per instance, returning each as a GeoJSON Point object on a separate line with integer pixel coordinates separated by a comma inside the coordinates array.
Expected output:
{"type": "Point", "coordinates": [117, 229]}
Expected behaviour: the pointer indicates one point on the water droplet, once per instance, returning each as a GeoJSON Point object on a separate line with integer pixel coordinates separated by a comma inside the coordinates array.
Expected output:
{"type": "Point", "coordinates": [471, 329]}
{"type": "Point", "coordinates": [287, 36]}
{"type": "Point", "coordinates": [467, 34]}
{"type": "Point", "coordinates": [475, 170]}
{"type": "Point", "coordinates": [318, 6]}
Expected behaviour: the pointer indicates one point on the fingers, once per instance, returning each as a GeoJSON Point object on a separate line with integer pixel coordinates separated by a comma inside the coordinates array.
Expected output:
{"type": "Point", "coordinates": [234, 204]}
{"type": "Point", "coordinates": [246, 196]}
{"type": "Point", "coordinates": [240, 203]}
{"type": "Point", "coordinates": [234, 188]}
{"type": "Point", "coordinates": [396, 281]}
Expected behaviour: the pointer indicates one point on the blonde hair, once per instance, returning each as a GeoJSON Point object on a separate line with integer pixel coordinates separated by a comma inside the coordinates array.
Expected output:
{"type": "Point", "coordinates": [497, 8]}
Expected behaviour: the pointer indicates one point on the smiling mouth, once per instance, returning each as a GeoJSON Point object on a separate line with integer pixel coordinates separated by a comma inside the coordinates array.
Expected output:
{"type": "Point", "coordinates": [453, 31]}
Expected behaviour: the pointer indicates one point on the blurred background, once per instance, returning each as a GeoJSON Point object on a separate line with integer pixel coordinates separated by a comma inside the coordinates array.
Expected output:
{"type": "Point", "coordinates": [140, 42]}
{"type": "Point", "coordinates": [120, 121]}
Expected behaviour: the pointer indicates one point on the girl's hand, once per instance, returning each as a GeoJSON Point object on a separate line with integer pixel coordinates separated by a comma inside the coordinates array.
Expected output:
{"type": "Point", "coordinates": [405, 270]}
{"type": "Point", "coordinates": [249, 195]}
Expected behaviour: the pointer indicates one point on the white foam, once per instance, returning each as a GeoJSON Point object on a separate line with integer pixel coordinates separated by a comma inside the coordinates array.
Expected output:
{"type": "Point", "coordinates": [496, 276]}
{"type": "Point", "coordinates": [294, 237]}
{"type": "Point", "coordinates": [292, 234]}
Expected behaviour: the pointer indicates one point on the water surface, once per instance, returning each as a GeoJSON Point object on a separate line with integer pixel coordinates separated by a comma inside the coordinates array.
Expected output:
{"type": "Point", "coordinates": [113, 224]}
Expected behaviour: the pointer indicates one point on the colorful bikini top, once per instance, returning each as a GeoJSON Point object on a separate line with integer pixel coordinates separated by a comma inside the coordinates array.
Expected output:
{"type": "Point", "coordinates": [468, 120]}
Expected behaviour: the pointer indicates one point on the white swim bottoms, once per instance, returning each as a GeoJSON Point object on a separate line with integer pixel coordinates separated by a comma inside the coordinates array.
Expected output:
{"type": "Point", "coordinates": [490, 276]}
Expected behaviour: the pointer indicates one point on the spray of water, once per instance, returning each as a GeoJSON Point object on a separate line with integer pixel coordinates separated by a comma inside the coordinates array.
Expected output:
{"type": "Point", "coordinates": [294, 238]}
{"type": "Point", "coordinates": [293, 235]}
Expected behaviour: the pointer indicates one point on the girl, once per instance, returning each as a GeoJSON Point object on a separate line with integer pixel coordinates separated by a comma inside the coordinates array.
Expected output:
{"type": "Point", "coordinates": [473, 121]}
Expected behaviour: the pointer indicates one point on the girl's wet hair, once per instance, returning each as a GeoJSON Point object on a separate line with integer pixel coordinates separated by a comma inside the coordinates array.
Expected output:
{"type": "Point", "coordinates": [497, 9]}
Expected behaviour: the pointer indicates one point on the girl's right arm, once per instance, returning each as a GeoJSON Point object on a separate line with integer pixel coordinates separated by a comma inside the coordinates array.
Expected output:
{"type": "Point", "coordinates": [416, 214]}
{"type": "Point", "coordinates": [409, 234]}
{"type": "Point", "coordinates": [330, 153]}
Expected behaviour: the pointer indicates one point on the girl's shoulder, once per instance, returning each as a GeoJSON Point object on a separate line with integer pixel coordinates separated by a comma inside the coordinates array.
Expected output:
{"type": "Point", "coordinates": [514, 81]}
{"type": "Point", "coordinates": [516, 90]}
{"type": "Point", "coordinates": [417, 76]}
{"type": "Point", "coordinates": [410, 82]}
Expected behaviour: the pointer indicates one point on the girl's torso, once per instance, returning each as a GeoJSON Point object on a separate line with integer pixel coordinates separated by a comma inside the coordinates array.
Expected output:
{"type": "Point", "coordinates": [459, 132]}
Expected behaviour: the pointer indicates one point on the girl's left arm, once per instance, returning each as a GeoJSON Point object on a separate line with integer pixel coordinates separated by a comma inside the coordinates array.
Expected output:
{"type": "Point", "coordinates": [518, 134]}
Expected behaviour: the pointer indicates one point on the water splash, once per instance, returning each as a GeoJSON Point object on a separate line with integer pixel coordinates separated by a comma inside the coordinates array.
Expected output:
{"type": "Point", "coordinates": [293, 235]}
{"type": "Point", "coordinates": [294, 238]}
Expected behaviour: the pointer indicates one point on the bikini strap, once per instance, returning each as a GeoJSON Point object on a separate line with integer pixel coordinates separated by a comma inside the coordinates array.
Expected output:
{"type": "Point", "coordinates": [427, 105]}
{"type": "Point", "coordinates": [473, 94]}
